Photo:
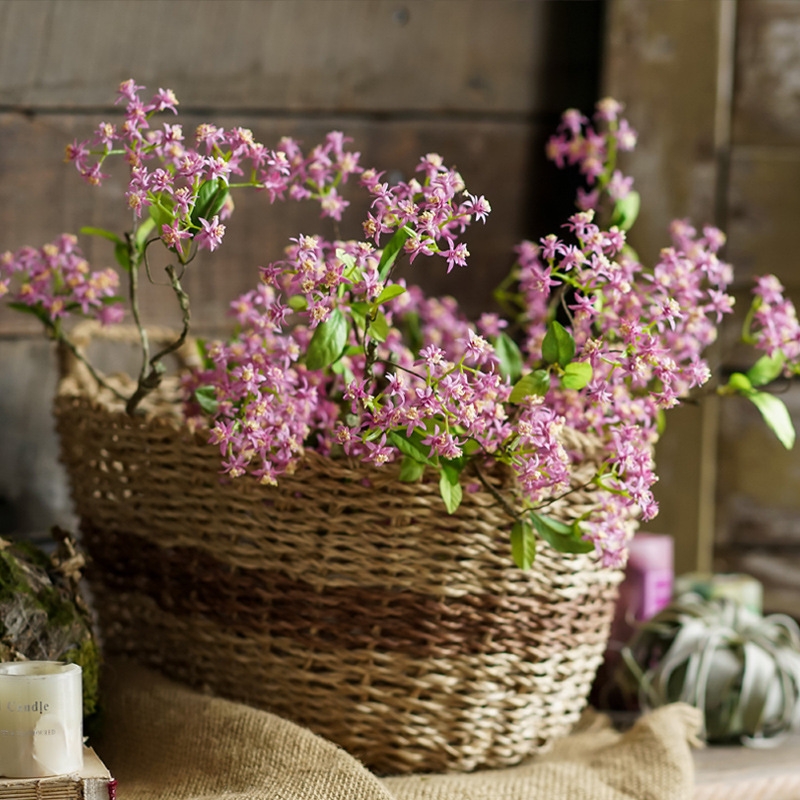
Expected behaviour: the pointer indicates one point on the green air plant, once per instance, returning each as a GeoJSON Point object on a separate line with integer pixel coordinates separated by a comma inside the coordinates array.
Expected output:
{"type": "Point", "coordinates": [42, 614]}
{"type": "Point", "coordinates": [740, 669]}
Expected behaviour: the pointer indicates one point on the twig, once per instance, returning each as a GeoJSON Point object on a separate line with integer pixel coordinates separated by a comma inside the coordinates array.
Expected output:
{"type": "Point", "coordinates": [506, 506]}
{"type": "Point", "coordinates": [150, 381]}
{"type": "Point", "coordinates": [61, 339]}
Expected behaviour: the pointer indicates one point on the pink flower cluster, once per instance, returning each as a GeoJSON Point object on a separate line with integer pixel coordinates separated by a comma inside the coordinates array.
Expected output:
{"type": "Point", "coordinates": [321, 283]}
{"type": "Point", "coordinates": [431, 212]}
{"type": "Point", "coordinates": [335, 352]}
{"type": "Point", "coordinates": [593, 147]}
{"type": "Point", "coordinates": [184, 182]}
{"type": "Point", "coordinates": [55, 282]}
{"type": "Point", "coordinates": [408, 377]}
{"type": "Point", "coordinates": [641, 330]}
{"type": "Point", "coordinates": [775, 325]}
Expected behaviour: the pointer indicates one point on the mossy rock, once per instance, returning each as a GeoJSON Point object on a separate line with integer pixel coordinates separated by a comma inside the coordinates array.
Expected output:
{"type": "Point", "coordinates": [42, 614]}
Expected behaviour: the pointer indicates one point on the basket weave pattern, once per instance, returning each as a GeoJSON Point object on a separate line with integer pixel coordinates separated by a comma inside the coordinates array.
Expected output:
{"type": "Point", "coordinates": [342, 599]}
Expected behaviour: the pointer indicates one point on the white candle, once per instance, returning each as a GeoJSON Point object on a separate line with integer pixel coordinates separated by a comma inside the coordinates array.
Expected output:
{"type": "Point", "coordinates": [41, 719]}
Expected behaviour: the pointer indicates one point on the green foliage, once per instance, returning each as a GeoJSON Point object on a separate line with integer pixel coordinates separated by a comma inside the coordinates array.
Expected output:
{"type": "Point", "coordinates": [772, 408]}
{"type": "Point", "coordinates": [410, 446]}
{"type": "Point", "coordinates": [451, 491]}
{"type": "Point", "coordinates": [411, 470]}
{"type": "Point", "coordinates": [161, 212]}
{"type": "Point", "coordinates": [206, 397]}
{"type": "Point", "coordinates": [558, 346]}
{"type": "Point", "coordinates": [776, 415]}
{"type": "Point", "coordinates": [389, 293]}
{"type": "Point", "coordinates": [102, 233]}
{"type": "Point", "coordinates": [392, 249]}
{"type": "Point", "coordinates": [536, 383]}
{"type": "Point", "coordinates": [560, 536]}
{"type": "Point", "coordinates": [523, 544]}
{"type": "Point", "coordinates": [328, 341]}
{"type": "Point", "coordinates": [626, 211]}
{"type": "Point", "coordinates": [211, 197]}
{"type": "Point", "coordinates": [373, 322]}
{"type": "Point", "coordinates": [576, 375]}
{"type": "Point", "coordinates": [511, 362]}
{"type": "Point", "coordinates": [766, 369]}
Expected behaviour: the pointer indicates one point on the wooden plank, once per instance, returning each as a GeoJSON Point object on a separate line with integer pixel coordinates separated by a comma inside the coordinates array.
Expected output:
{"type": "Point", "coordinates": [40, 197]}
{"type": "Point", "coordinates": [764, 209]}
{"type": "Point", "coordinates": [758, 497]}
{"type": "Point", "coordinates": [664, 61]}
{"type": "Point", "coordinates": [767, 101]}
{"type": "Point", "coordinates": [33, 489]}
{"type": "Point", "coordinates": [306, 55]}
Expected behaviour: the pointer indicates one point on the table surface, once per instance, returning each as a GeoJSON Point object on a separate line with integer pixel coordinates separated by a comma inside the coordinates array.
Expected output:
{"type": "Point", "coordinates": [731, 771]}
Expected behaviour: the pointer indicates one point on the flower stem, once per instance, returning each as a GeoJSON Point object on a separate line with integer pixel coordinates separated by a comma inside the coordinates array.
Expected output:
{"type": "Point", "coordinates": [153, 371]}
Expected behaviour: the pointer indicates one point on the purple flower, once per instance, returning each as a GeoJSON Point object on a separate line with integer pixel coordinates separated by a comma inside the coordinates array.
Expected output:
{"type": "Point", "coordinates": [210, 234]}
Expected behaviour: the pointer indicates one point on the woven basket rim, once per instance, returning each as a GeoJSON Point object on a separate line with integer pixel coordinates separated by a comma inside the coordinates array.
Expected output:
{"type": "Point", "coordinates": [163, 406]}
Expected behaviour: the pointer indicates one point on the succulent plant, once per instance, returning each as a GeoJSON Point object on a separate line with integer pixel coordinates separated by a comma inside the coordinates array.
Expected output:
{"type": "Point", "coordinates": [740, 669]}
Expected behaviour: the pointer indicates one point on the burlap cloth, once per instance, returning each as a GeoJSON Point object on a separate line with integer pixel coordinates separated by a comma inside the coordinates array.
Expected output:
{"type": "Point", "coordinates": [163, 741]}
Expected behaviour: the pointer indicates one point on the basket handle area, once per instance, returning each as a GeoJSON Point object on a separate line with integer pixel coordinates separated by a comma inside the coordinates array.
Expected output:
{"type": "Point", "coordinates": [73, 371]}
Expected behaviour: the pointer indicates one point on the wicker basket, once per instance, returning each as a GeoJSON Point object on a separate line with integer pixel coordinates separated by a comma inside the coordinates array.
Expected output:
{"type": "Point", "coordinates": [343, 599]}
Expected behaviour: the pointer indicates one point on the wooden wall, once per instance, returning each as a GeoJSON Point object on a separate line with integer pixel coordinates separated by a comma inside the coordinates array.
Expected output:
{"type": "Point", "coordinates": [714, 88]}
{"type": "Point", "coordinates": [480, 81]}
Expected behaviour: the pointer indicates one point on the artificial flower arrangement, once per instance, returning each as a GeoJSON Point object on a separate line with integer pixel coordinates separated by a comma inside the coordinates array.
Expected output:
{"type": "Point", "coordinates": [337, 351]}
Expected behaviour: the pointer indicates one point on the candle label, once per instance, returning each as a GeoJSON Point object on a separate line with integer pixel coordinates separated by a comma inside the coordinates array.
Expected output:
{"type": "Point", "coordinates": [37, 732]}
{"type": "Point", "coordinates": [37, 705]}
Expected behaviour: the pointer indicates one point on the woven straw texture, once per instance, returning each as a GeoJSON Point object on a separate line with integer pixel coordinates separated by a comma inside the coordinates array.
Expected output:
{"type": "Point", "coordinates": [343, 599]}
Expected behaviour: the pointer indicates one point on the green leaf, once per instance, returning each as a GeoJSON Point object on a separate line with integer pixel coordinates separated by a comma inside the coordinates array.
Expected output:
{"type": "Point", "coordinates": [36, 311]}
{"type": "Point", "coordinates": [297, 302]}
{"type": "Point", "coordinates": [558, 346]}
{"type": "Point", "coordinates": [328, 341]}
{"type": "Point", "coordinates": [346, 259]}
{"type": "Point", "coordinates": [451, 494]}
{"type": "Point", "coordinates": [389, 293]}
{"type": "Point", "coordinates": [160, 212]}
{"type": "Point", "coordinates": [123, 256]}
{"type": "Point", "coordinates": [341, 368]}
{"type": "Point", "coordinates": [626, 210]}
{"type": "Point", "coordinates": [411, 446]}
{"type": "Point", "coordinates": [576, 375]}
{"type": "Point", "coordinates": [523, 544]}
{"type": "Point", "coordinates": [391, 251]}
{"type": "Point", "coordinates": [142, 232]}
{"type": "Point", "coordinates": [766, 369]}
{"type": "Point", "coordinates": [452, 468]}
{"type": "Point", "coordinates": [379, 327]}
{"type": "Point", "coordinates": [537, 382]}
{"type": "Point", "coordinates": [206, 397]}
{"type": "Point", "coordinates": [110, 235]}
{"type": "Point", "coordinates": [777, 417]}
{"type": "Point", "coordinates": [740, 383]}
{"type": "Point", "coordinates": [511, 363]}
{"type": "Point", "coordinates": [372, 435]}
{"type": "Point", "coordinates": [661, 421]}
{"type": "Point", "coordinates": [560, 536]}
{"type": "Point", "coordinates": [411, 470]}
{"type": "Point", "coordinates": [210, 198]}
{"type": "Point", "coordinates": [413, 331]}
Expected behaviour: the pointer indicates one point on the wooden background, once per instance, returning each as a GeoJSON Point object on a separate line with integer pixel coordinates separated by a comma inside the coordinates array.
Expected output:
{"type": "Point", "coordinates": [712, 86]}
